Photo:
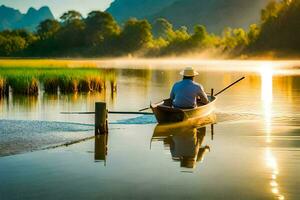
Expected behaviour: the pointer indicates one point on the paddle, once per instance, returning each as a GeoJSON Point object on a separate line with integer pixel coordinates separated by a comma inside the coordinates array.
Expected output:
{"type": "Point", "coordinates": [149, 107]}
{"type": "Point", "coordinates": [229, 86]}
{"type": "Point", "coordinates": [109, 112]}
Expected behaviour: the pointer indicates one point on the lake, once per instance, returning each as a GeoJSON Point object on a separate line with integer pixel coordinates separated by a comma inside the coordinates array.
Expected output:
{"type": "Point", "coordinates": [252, 152]}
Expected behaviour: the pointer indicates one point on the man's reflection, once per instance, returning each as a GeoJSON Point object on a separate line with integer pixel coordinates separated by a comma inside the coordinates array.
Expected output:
{"type": "Point", "coordinates": [186, 144]}
{"type": "Point", "coordinates": [101, 147]}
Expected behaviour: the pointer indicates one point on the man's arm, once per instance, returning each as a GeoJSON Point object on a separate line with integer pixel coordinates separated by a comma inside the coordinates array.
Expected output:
{"type": "Point", "coordinates": [172, 94]}
{"type": "Point", "coordinates": [202, 95]}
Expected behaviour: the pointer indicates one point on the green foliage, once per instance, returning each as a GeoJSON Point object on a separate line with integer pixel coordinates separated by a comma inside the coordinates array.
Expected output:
{"type": "Point", "coordinates": [280, 28]}
{"type": "Point", "coordinates": [70, 17]}
{"type": "Point", "coordinates": [100, 35]}
{"type": "Point", "coordinates": [135, 35]}
{"type": "Point", "coordinates": [23, 84]}
{"type": "Point", "coordinates": [48, 28]}
{"type": "Point", "coordinates": [253, 33]}
{"type": "Point", "coordinates": [11, 45]}
{"type": "Point", "coordinates": [162, 28]}
{"type": "Point", "coordinates": [272, 10]}
{"type": "Point", "coordinates": [100, 26]}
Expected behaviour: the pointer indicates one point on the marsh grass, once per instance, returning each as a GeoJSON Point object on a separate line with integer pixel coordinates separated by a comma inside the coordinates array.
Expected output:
{"type": "Point", "coordinates": [23, 84]}
{"type": "Point", "coordinates": [67, 84]}
{"type": "Point", "coordinates": [25, 77]}
{"type": "Point", "coordinates": [3, 87]}
{"type": "Point", "coordinates": [48, 63]}
{"type": "Point", "coordinates": [97, 84]}
{"type": "Point", "coordinates": [51, 85]}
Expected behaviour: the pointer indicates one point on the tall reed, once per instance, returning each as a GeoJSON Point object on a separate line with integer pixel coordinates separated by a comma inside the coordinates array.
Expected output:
{"type": "Point", "coordinates": [67, 84]}
{"type": "Point", "coordinates": [3, 87]}
{"type": "Point", "coordinates": [24, 85]}
{"type": "Point", "coordinates": [26, 76]}
{"type": "Point", "coordinates": [51, 85]}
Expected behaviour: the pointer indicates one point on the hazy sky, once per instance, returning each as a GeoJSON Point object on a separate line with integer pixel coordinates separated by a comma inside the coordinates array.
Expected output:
{"type": "Point", "coordinates": [59, 6]}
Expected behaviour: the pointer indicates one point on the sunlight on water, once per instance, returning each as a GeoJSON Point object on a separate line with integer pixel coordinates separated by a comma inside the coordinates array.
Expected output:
{"type": "Point", "coordinates": [267, 98]}
{"type": "Point", "coordinates": [273, 166]}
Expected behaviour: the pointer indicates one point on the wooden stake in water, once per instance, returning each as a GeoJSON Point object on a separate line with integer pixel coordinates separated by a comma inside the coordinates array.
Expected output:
{"type": "Point", "coordinates": [101, 126]}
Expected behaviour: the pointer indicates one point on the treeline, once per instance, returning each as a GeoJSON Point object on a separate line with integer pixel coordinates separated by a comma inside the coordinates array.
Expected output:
{"type": "Point", "coordinates": [279, 28]}
{"type": "Point", "coordinates": [99, 35]}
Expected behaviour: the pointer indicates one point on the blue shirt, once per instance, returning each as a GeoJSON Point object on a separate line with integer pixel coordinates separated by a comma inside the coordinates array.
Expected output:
{"type": "Point", "coordinates": [184, 94]}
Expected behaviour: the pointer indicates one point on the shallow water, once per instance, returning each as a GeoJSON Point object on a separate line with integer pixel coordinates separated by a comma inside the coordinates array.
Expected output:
{"type": "Point", "coordinates": [254, 152]}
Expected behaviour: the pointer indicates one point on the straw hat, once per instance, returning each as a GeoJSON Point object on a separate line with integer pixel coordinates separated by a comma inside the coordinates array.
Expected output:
{"type": "Point", "coordinates": [189, 72]}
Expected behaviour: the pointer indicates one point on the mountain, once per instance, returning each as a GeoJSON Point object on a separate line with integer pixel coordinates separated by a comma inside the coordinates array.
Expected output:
{"type": "Point", "coordinates": [215, 14]}
{"type": "Point", "coordinates": [7, 16]}
{"type": "Point", "coordinates": [125, 9]}
{"type": "Point", "coordinates": [11, 18]}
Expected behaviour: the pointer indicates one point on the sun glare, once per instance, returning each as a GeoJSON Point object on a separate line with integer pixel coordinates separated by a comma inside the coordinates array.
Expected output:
{"type": "Point", "coordinates": [267, 98]}
{"type": "Point", "coordinates": [273, 166]}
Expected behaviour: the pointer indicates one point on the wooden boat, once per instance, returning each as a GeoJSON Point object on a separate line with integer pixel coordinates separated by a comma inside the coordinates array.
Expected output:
{"type": "Point", "coordinates": [165, 113]}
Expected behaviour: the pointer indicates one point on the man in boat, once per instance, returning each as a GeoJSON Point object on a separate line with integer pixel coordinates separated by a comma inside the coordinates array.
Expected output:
{"type": "Point", "coordinates": [186, 92]}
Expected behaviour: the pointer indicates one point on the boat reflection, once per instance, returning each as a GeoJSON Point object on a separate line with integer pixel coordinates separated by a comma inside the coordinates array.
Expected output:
{"type": "Point", "coordinates": [186, 144]}
{"type": "Point", "coordinates": [101, 142]}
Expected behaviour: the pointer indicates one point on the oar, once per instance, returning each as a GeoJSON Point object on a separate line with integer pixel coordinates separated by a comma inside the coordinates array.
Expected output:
{"type": "Point", "coordinates": [149, 107]}
{"type": "Point", "coordinates": [109, 112]}
{"type": "Point", "coordinates": [229, 86]}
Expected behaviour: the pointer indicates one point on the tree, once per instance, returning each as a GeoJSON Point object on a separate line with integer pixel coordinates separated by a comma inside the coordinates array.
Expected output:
{"type": "Point", "coordinates": [135, 36]}
{"type": "Point", "coordinates": [162, 28]}
{"type": "Point", "coordinates": [71, 34]}
{"type": "Point", "coordinates": [253, 33]}
{"type": "Point", "coordinates": [71, 16]}
{"type": "Point", "coordinates": [280, 28]}
{"type": "Point", "coordinates": [100, 26]}
{"type": "Point", "coordinates": [11, 45]}
{"type": "Point", "coordinates": [48, 28]}
{"type": "Point", "coordinates": [199, 35]}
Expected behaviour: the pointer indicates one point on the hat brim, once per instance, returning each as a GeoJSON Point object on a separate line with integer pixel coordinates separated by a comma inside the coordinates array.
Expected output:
{"type": "Point", "coordinates": [189, 75]}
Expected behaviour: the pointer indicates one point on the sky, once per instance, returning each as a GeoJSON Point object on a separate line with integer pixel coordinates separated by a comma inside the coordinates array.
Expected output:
{"type": "Point", "coordinates": [58, 7]}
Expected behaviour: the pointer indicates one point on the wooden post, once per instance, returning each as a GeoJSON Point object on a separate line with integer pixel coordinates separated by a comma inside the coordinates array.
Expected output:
{"type": "Point", "coordinates": [101, 147]}
{"type": "Point", "coordinates": [212, 92]}
{"type": "Point", "coordinates": [101, 126]}
{"type": "Point", "coordinates": [212, 131]}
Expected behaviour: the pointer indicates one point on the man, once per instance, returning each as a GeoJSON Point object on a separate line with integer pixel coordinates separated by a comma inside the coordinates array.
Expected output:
{"type": "Point", "coordinates": [185, 93]}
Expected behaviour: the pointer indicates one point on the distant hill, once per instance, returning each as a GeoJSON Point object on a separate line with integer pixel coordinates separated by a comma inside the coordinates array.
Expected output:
{"type": "Point", "coordinates": [125, 9]}
{"type": "Point", "coordinates": [215, 14]}
{"type": "Point", "coordinates": [11, 18]}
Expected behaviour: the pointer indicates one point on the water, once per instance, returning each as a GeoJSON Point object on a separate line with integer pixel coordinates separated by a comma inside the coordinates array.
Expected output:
{"type": "Point", "coordinates": [253, 153]}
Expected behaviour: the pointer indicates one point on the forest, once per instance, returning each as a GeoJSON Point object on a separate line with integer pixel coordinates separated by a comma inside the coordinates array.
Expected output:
{"type": "Point", "coordinates": [99, 35]}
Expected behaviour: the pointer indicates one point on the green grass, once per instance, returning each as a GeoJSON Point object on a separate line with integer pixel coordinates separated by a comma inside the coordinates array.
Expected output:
{"type": "Point", "coordinates": [28, 80]}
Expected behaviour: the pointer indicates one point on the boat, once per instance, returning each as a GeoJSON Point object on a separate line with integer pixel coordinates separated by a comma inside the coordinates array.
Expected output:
{"type": "Point", "coordinates": [165, 113]}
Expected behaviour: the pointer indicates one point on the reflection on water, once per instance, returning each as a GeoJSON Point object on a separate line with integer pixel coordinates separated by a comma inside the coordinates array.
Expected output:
{"type": "Point", "coordinates": [101, 142]}
{"type": "Point", "coordinates": [267, 98]}
{"type": "Point", "coordinates": [186, 144]}
{"type": "Point", "coordinates": [273, 166]}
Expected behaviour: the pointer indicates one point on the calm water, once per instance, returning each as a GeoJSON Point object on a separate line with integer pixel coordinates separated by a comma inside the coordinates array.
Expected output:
{"type": "Point", "coordinates": [253, 152]}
